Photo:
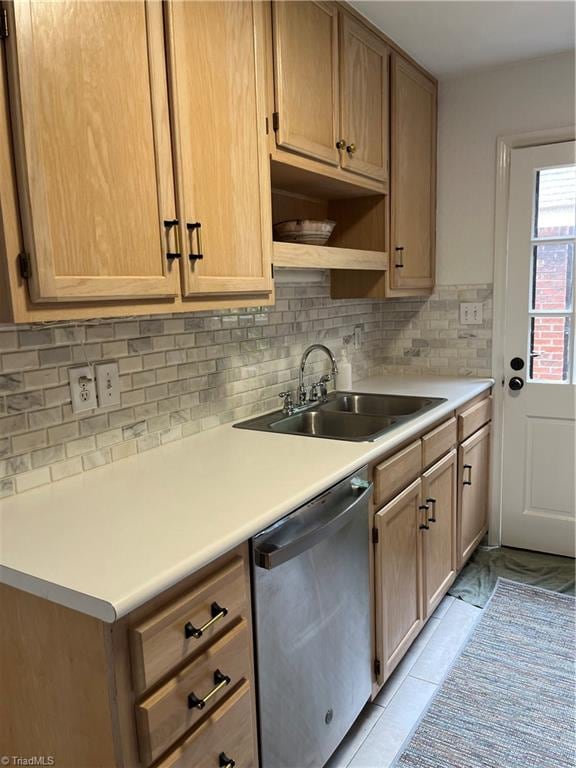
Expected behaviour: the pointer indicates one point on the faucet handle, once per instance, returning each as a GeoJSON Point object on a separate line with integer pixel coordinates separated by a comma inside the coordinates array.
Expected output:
{"type": "Point", "coordinates": [288, 402]}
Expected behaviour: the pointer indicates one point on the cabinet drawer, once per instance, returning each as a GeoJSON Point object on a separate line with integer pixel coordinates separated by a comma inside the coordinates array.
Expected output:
{"type": "Point", "coordinates": [438, 442]}
{"type": "Point", "coordinates": [474, 418]}
{"type": "Point", "coordinates": [228, 731]}
{"type": "Point", "coordinates": [397, 472]}
{"type": "Point", "coordinates": [177, 705]}
{"type": "Point", "coordinates": [167, 638]}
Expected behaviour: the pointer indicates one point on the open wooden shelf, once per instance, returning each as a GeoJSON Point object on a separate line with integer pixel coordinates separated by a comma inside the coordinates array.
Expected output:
{"type": "Point", "coordinates": [327, 257]}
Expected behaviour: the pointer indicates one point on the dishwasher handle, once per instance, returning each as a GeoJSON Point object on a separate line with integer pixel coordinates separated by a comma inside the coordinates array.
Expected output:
{"type": "Point", "coordinates": [270, 556]}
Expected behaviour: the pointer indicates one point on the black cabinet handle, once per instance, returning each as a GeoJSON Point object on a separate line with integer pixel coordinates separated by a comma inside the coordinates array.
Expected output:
{"type": "Point", "coordinates": [192, 227]}
{"type": "Point", "coordinates": [224, 761]}
{"type": "Point", "coordinates": [220, 681]}
{"type": "Point", "coordinates": [424, 508]}
{"type": "Point", "coordinates": [399, 262]}
{"type": "Point", "coordinates": [216, 613]}
{"type": "Point", "coordinates": [170, 224]}
{"type": "Point", "coordinates": [469, 468]}
{"type": "Point", "coordinates": [432, 517]}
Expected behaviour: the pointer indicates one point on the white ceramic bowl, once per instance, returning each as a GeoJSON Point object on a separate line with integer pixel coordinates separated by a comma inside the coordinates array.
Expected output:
{"type": "Point", "coordinates": [308, 231]}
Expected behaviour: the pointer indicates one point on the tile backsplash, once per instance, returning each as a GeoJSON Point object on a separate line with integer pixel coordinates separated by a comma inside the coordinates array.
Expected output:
{"type": "Point", "coordinates": [181, 374]}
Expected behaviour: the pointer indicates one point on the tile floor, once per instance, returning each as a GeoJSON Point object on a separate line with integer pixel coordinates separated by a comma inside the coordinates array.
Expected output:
{"type": "Point", "coordinates": [384, 725]}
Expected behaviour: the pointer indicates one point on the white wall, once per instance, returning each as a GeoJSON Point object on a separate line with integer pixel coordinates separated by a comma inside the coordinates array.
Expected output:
{"type": "Point", "coordinates": [474, 110]}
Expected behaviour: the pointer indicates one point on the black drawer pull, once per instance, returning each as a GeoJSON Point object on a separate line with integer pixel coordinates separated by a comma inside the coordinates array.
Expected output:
{"type": "Point", "coordinates": [424, 508]}
{"type": "Point", "coordinates": [469, 480]}
{"type": "Point", "coordinates": [216, 612]}
{"type": "Point", "coordinates": [225, 762]}
{"type": "Point", "coordinates": [220, 681]}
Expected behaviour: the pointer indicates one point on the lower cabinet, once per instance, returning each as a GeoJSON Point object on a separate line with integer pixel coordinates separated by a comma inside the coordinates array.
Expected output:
{"type": "Point", "coordinates": [439, 537]}
{"type": "Point", "coordinates": [430, 513]}
{"type": "Point", "coordinates": [473, 491]}
{"type": "Point", "coordinates": [398, 561]}
{"type": "Point", "coordinates": [170, 684]}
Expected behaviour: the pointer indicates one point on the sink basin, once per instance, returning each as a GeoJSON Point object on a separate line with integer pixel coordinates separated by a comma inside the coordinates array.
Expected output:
{"type": "Point", "coordinates": [346, 416]}
{"type": "Point", "coordinates": [334, 424]}
{"type": "Point", "coordinates": [381, 405]}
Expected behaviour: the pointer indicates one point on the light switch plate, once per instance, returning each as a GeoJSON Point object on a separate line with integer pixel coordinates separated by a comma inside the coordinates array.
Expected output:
{"type": "Point", "coordinates": [108, 384]}
{"type": "Point", "coordinates": [471, 313]}
{"type": "Point", "coordinates": [82, 389]}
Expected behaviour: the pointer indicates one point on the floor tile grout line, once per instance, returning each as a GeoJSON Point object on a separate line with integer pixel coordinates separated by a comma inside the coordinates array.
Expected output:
{"type": "Point", "coordinates": [365, 737]}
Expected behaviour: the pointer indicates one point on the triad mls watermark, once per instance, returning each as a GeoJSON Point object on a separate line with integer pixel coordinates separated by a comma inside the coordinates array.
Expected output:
{"type": "Point", "coordinates": [27, 760]}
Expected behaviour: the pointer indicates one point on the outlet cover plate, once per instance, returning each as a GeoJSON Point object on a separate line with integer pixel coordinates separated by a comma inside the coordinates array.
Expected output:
{"type": "Point", "coordinates": [471, 313]}
{"type": "Point", "coordinates": [82, 389]}
{"type": "Point", "coordinates": [108, 384]}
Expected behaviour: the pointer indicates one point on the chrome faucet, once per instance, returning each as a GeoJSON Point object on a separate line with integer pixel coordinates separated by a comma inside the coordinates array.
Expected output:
{"type": "Point", "coordinates": [318, 390]}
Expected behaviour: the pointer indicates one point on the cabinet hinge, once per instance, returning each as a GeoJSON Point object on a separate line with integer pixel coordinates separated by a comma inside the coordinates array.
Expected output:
{"type": "Point", "coordinates": [377, 667]}
{"type": "Point", "coordinates": [24, 266]}
{"type": "Point", "coordinates": [3, 24]}
{"type": "Point", "coordinates": [375, 536]}
{"type": "Point", "coordinates": [275, 121]}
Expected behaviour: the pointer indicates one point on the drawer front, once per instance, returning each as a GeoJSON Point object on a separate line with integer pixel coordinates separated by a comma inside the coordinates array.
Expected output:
{"type": "Point", "coordinates": [397, 472]}
{"type": "Point", "coordinates": [168, 637]}
{"type": "Point", "coordinates": [176, 706]}
{"type": "Point", "coordinates": [438, 442]}
{"type": "Point", "coordinates": [474, 418]}
{"type": "Point", "coordinates": [227, 733]}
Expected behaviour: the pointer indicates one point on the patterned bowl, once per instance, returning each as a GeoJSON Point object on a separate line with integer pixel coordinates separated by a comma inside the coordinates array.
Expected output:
{"type": "Point", "coordinates": [307, 231]}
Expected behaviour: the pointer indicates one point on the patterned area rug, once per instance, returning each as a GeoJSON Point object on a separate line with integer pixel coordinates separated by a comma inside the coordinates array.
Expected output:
{"type": "Point", "coordinates": [509, 699]}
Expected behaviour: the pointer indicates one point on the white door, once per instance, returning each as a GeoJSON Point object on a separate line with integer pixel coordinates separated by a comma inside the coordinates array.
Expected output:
{"type": "Point", "coordinates": [538, 493]}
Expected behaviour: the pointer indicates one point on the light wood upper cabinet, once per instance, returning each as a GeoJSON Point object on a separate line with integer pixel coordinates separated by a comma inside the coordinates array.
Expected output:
{"type": "Point", "coordinates": [305, 51]}
{"type": "Point", "coordinates": [413, 178]}
{"type": "Point", "coordinates": [363, 100]}
{"type": "Point", "coordinates": [217, 74]}
{"type": "Point", "coordinates": [439, 539]}
{"type": "Point", "coordinates": [92, 136]}
{"type": "Point", "coordinates": [474, 491]}
{"type": "Point", "coordinates": [398, 584]}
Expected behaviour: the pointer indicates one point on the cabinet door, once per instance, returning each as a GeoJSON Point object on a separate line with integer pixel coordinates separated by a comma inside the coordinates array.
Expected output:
{"type": "Point", "coordinates": [90, 113]}
{"type": "Point", "coordinates": [223, 175]}
{"type": "Point", "coordinates": [413, 182]}
{"type": "Point", "coordinates": [363, 100]}
{"type": "Point", "coordinates": [398, 560]}
{"type": "Point", "coordinates": [439, 539]}
{"type": "Point", "coordinates": [305, 42]}
{"type": "Point", "coordinates": [473, 491]}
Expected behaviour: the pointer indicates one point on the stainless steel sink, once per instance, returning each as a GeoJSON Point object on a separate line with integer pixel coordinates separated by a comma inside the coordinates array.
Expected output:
{"type": "Point", "coordinates": [381, 405]}
{"type": "Point", "coordinates": [335, 424]}
{"type": "Point", "coordinates": [349, 416]}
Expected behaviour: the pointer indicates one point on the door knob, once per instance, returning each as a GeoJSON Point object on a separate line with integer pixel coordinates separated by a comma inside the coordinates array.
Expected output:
{"type": "Point", "coordinates": [516, 383]}
{"type": "Point", "coordinates": [516, 363]}
{"type": "Point", "coordinates": [351, 148]}
{"type": "Point", "coordinates": [340, 144]}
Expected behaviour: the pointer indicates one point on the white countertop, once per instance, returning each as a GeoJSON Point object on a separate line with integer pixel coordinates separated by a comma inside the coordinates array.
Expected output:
{"type": "Point", "coordinates": [107, 541]}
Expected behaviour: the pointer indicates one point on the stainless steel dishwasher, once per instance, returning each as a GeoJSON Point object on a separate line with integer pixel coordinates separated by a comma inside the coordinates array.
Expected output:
{"type": "Point", "coordinates": [312, 618]}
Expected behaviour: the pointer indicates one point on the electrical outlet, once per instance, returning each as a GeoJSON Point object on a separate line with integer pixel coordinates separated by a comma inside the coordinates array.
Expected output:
{"type": "Point", "coordinates": [108, 384]}
{"type": "Point", "coordinates": [471, 313]}
{"type": "Point", "coordinates": [82, 389]}
{"type": "Point", "coordinates": [357, 336]}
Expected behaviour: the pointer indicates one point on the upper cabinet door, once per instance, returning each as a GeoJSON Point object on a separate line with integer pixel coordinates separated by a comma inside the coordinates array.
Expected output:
{"type": "Point", "coordinates": [90, 114]}
{"type": "Point", "coordinates": [305, 40]}
{"type": "Point", "coordinates": [413, 182]}
{"type": "Point", "coordinates": [364, 100]}
{"type": "Point", "coordinates": [223, 175]}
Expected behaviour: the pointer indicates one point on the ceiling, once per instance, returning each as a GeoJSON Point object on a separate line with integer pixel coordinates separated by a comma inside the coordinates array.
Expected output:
{"type": "Point", "coordinates": [453, 37]}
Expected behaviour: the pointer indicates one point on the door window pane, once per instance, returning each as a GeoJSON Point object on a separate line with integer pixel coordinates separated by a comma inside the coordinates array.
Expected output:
{"type": "Point", "coordinates": [549, 348]}
{"type": "Point", "coordinates": [555, 214]}
{"type": "Point", "coordinates": [552, 276]}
